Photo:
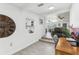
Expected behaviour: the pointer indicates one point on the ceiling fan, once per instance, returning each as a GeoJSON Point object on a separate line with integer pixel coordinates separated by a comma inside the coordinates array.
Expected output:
{"type": "Point", "coordinates": [61, 17]}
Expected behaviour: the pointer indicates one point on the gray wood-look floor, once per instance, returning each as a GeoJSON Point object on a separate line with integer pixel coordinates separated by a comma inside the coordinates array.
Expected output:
{"type": "Point", "coordinates": [38, 48]}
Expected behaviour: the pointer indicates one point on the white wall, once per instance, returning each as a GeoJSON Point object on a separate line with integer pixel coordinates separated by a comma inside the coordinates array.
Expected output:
{"type": "Point", "coordinates": [74, 15]}
{"type": "Point", "coordinates": [20, 38]}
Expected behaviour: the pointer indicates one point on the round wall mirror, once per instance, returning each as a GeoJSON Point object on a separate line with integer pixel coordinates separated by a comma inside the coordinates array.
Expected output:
{"type": "Point", "coordinates": [7, 26]}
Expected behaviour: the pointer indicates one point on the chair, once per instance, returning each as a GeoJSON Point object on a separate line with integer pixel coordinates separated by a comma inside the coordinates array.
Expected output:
{"type": "Point", "coordinates": [55, 38]}
{"type": "Point", "coordinates": [64, 47]}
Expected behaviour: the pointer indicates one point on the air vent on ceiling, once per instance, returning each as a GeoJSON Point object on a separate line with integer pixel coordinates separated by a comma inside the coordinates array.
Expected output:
{"type": "Point", "coordinates": [40, 5]}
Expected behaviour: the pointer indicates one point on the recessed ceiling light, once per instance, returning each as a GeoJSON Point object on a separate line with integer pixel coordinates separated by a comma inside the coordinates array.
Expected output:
{"type": "Point", "coordinates": [51, 8]}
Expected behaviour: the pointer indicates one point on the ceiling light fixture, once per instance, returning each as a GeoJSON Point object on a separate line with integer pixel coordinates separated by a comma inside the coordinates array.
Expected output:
{"type": "Point", "coordinates": [51, 8]}
{"type": "Point", "coordinates": [54, 20]}
{"type": "Point", "coordinates": [40, 5]}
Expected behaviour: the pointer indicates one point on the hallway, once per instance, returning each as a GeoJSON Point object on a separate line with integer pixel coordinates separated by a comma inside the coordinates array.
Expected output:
{"type": "Point", "coordinates": [31, 27]}
{"type": "Point", "coordinates": [38, 48]}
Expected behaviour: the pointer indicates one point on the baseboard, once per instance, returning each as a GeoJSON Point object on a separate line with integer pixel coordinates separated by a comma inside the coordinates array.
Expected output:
{"type": "Point", "coordinates": [13, 52]}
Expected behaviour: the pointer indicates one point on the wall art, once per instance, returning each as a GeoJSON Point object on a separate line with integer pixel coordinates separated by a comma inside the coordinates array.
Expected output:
{"type": "Point", "coordinates": [7, 26]}
{"type": "Point", "coordinates": [41, 20]}
{"type": "Point", "coordinates": [30, 25]}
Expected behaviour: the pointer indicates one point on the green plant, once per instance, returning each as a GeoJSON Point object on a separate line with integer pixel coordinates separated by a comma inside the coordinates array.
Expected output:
{"type": "Point", "coordinates": [66, 32]}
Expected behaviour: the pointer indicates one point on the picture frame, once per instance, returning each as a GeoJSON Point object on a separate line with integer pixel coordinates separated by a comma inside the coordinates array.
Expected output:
{"type": "Point", "coordinates": [41, 20]}
{"type": "Point", "coordinates": [30, 25]}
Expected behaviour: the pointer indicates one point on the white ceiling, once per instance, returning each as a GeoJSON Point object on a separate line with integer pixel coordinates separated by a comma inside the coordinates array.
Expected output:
{"type": "Point", "coordinates": [32, 7]}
